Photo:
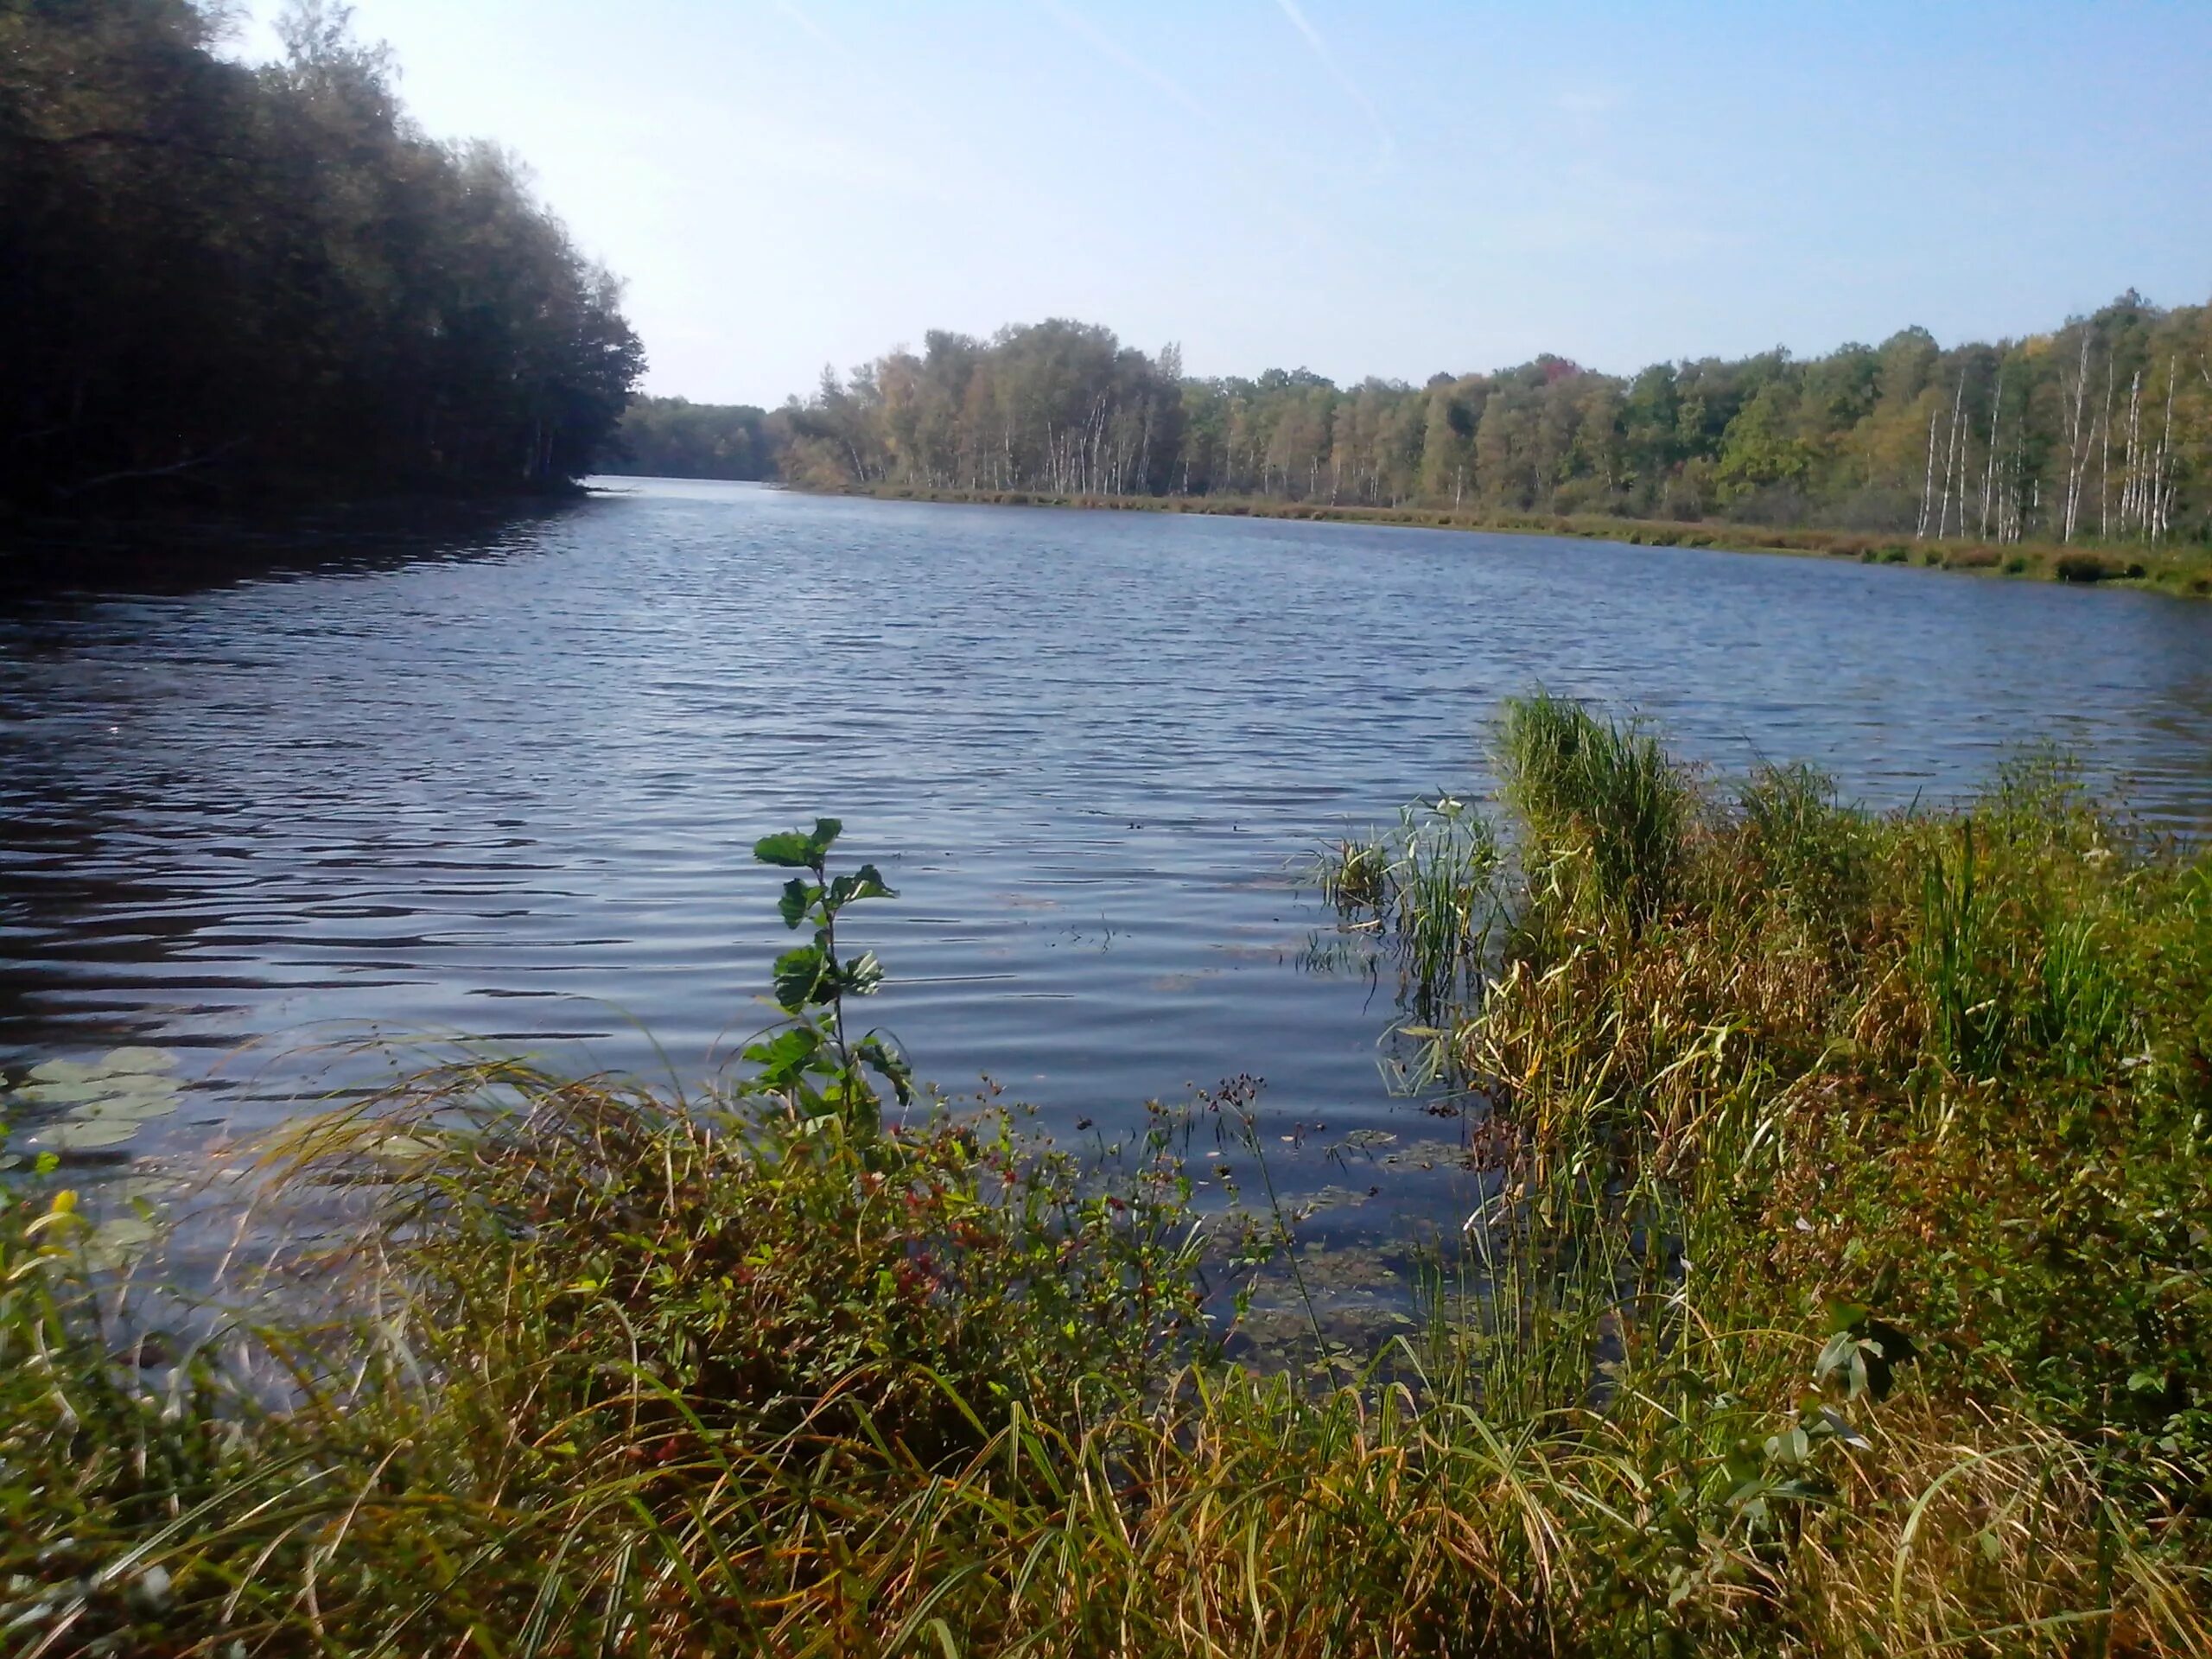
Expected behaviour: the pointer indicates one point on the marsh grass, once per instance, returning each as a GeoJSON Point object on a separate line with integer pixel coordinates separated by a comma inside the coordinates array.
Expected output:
{"type": "Point", "coordinates": [1839, 1286]}
{"type": "Point", "coordinates": [1601, 809]}
{"type": "Point", "coordinates": [1428, 886]}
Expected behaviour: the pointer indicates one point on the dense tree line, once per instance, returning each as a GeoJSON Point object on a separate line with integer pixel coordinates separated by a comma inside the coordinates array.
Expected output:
{"type": "Point", "coordinates": [674, 437]}
{"type": "Point", "coordinates": [217, 273]}
{"type": "Point", "coordinates": [2101, 429]}
{"type": "Point", "coordinates": [1057, 406]}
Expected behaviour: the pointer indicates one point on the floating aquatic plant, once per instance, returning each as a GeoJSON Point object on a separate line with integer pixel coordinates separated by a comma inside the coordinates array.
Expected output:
{"type": "Point", "coordinates": [79, 1106]}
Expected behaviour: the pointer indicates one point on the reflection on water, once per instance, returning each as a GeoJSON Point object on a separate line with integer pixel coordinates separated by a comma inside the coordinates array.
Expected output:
{"type": "Point", "coordinates": [501, 781]}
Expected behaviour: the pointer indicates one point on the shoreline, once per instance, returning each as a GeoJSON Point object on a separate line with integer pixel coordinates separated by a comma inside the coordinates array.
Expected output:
{"type": "Point", "coordinates": [1770, 1258]}
{"type": "Point", "coordinates": [42, 551]}
{"type": "Point", "coordinates": [2181, 573]}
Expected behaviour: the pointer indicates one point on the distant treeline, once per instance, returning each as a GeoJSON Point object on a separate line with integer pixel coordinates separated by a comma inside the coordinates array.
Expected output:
{"type": "Point", "coordinates": [2101, 429]}
{"type": "Point", "coordinates": [674, 437]}
{"type": "Point", "coordinates": [219, 276]}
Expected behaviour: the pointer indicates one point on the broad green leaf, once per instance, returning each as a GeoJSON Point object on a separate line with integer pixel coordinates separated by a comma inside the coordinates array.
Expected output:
{"type": "Point", "coordinates": [1791, 1446]}
{"type": "Point", "coordinates": [795, 850]}
{"type": "Point", "coordinates": [1847, 1316]}
{"type": "Point", "coordinates": [788, 849]}
{"type": "Point", "coordinates": [785, 1056]}
{"type": "Point", "coordinates": [862, 974]}
{"type": "Point", "coordinates": [798, 896]}
{"type": "Point", "coordinates": [890, 1064]}
{"type": "Point", "coordinates": [866, 882]}
{"type": "Point", "coordinates": [802, 976]}
{"type": "Point", "coordinates": [800, 1040]}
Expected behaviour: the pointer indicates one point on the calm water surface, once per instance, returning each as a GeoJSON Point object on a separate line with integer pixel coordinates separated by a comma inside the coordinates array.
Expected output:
{"type": "Point", "coordinates": [503, 784]}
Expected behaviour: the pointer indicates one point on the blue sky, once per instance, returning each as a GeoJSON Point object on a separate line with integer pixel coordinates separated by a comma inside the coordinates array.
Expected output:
{"type": "Point", "coordinates": [1385, 188]}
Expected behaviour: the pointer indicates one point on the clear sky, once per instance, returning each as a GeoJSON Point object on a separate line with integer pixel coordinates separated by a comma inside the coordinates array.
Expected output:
{"type": "Point", "coordinates": [1380, 188]}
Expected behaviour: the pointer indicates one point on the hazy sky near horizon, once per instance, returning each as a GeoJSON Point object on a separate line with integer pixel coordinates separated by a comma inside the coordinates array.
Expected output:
{"type": "Point", "coordinates": [1389, 187]}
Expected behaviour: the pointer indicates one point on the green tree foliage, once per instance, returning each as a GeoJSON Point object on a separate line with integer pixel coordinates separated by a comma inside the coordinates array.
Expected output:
{"type": "Point", "coordinates": [2100, 430]}
{"type": "Point", "coordinates": [674, 437]}
{"type": "Point", "coordinates": [1058, 406]}
{"type": "Point", "coordinates": [209, 270]}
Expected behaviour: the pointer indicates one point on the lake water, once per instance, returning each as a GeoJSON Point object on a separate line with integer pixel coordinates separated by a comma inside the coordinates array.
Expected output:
{"type": "Point", "coordinates": [502, 782]}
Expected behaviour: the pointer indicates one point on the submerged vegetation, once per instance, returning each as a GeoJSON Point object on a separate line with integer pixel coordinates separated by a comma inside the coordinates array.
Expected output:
{"type": "Point", "coordinates": [1840, 1285]}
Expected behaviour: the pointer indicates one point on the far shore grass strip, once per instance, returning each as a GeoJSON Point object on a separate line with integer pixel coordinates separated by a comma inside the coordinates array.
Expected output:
{"type": "Point", "coordinates": [2183, 569]}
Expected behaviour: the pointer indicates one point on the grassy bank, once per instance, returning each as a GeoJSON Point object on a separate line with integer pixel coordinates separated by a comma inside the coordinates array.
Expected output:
{"type": "Point", "coordinates": [1841, 1287]}
{"type": "Point", "coordinates": [2185, 570]}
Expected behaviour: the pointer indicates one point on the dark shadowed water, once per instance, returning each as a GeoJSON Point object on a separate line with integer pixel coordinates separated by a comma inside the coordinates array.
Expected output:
{"type": "Point", "coordinates": [504, 783]}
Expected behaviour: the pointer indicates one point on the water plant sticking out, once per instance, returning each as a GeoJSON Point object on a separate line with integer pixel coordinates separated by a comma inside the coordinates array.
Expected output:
{"type": "Point", "coordinates": [811, 1062]}
{"type": "Point", "coordinates": [1426, 886]}
{"type": "Point", "coordinates": [1603, 807]}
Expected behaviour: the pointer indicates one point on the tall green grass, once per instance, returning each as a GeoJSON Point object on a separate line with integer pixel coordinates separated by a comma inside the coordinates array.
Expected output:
{"type": "Point", "coordinates": [1428, 885]}
{"type": "Point", "coordinates": [1601, 807]}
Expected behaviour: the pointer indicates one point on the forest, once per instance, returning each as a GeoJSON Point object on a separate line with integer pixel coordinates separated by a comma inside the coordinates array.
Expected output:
{"type": "Point", "coordinates": [219, 278]}
{"type": "Point", "coordinates": [674, 437]}
{"type": "Point", "coordinates": [2099, 430]}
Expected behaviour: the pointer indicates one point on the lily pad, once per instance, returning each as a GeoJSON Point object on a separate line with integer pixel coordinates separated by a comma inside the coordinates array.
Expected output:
{"type": "Point", "coordinates": [64, 1071]}
{"type": "Point", "coordinates": [61, 1094]}
{"type": "Point", "coordinates": [134, 1062]}
{"type": "Point", "coordinates": [74, 1135]}
{"type": "Point", "coordinates": [118, 1242]}
{"type": "Point", "coordinates": [123, 1109]}
{"type": "Point", "coordinates": [148, 1189]}
{"type": "Point", "coordinates": [139, 1083]}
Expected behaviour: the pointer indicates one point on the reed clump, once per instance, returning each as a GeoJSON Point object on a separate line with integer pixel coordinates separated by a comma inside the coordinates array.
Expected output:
{"type": "Point", "coordinates": [1839, 1286]}
{"type": "Point", "coordinates": [1601, 807]}
{"type": "Point", "coordinates": [1428, 886]}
